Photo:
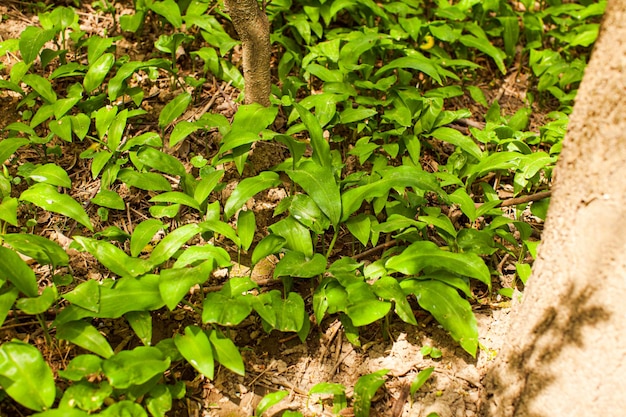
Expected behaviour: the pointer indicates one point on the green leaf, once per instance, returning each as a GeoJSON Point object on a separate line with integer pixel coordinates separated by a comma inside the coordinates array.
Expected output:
{"type": "Point", "coordinates": [225, 310]}
{"type": "Point", "coordinates": [161, 161]}
{"type": "Point", "coordinates": [295, 264]}
{"type": "Point", "coordinates": [182, 130]}
{"type": "Point", "coordinates": [319, 183]}
{"type": "Point", "coordinates": [246, 226]}
{"type": "Point", "coordinates": [388, 288]}
{"type": "Point", "coordinates": [16, 271]}
{"type": "Point", "coordinates": [418, 62]}
{"type": "Point", "coordinates": [169, 10]}
{"type": "Point", "coordinates": [396, 177]}
{"type": "Point", "coordinates": [351, 115]}
{"type": "Point", "coordinates": [9, 146]}
{"type": "Point", "coordinates": [109, 199]}
{"type": "Point", "coordinates": [25, 376]}
{"type": "Point", "coordinates": [141, 323]}
{"type": "Point", "coordinates": [285, 315]}
{"type": "Point", "coordinates": [483, 45]}
{"type": "Point", "coordinates": [247, 188]}
{"type": "Point", "coordinates": [134, 367]}
{"type": "Point", "coordinates": [297, 237]}
{"type": "Point", "coordinates": [361, 227]}
{"type": "Point", "coordinates": [41, 86]}
{"type": "Point", "coordinates": [51, 174]}
{"type": "Point", "coordinates": [82, 366]}
{"type": "Point", "coordinates": [38, 305]}
{"type": "Point", "coordinates": [124, 408]}
{"type": "Point", "coordinates": [85, 295]}
{"type": "Point", "coordinates": [176, 197]}
{"type": "Point", "coordinates": [115, 130]}
{"type": "Point", "coordinates": [226, 352]}
{"type": "Point", "coordinates": [363, 306]}
{"type": "Point", "coordinates": [321, 148]}
{"type": "Point", "coordinates": [70, 412]}
{"type": "Point", "coordinates": [197, 350]}
{"type": "Point", "coordinates": [8, 210]}
{"type": "Point", "coordinates": [48, 198]}
{"type": "Point", "coordinates": [85, 396]}
{"type": "Point", "coordinates": [62, 128]}
{"type": "Point", "coordinates": [268, 245]}
{"type": "Point", "coordinates": [32, 39]}
{"type": "Point", "coordinates": [86, 336]}
{"type": "Point", "coordinates": [149, 181]}
{"type": "Point", "coordinates": [143, 234]}
{"type": "Point", "coordinates": [8, 295]}
{"type": "Point", "coordinates": [206, 185]}
{"type": "Point", "coordinates": [458, 139]}
{"type": "Point", "coordinates": [451, 310]}
{"type": "Point", "coordinates": [175, 283]}
{"type": "Point", "coordinates": [425, 255]}
{"type": "Point", "coordinates": [174, 109]}
{"type": "Point", "coordinates": [44, 251]}
{"type": "Point", "coordinates": [268, 401]}
{"type": "Point", "coordinates": [113, 257]}
{"type": "Point", "coordinates": [172, 243]}
{"type": "Point", "coordinates": [365, 389]}
{"type": "Point", "coordinates": [98, 71]}
{"type": "Point", "coordinates": [420, 379]}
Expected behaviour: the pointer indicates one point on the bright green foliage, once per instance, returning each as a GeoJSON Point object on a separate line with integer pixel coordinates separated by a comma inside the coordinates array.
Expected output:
{"type": "Point", "coordinates": [366, 105]}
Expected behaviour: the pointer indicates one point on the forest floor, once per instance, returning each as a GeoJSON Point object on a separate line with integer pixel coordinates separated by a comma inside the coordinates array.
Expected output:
{"type": "Point", "coordinates": [278, 361]}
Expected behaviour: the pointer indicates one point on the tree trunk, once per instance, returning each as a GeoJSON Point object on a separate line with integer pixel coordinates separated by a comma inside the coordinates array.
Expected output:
{"type": "Point", "coordinates": [253, 28]}
{"type": "Point", "coordinates": [566, 354]}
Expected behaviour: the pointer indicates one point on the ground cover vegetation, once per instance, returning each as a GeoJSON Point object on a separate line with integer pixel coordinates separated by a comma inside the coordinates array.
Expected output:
{"type": "Point", "coordinates": [399, 181]}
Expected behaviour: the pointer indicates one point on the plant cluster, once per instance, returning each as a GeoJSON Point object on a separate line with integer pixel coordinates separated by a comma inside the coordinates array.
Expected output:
{"type": "Point", "coordinates": [366, 91]}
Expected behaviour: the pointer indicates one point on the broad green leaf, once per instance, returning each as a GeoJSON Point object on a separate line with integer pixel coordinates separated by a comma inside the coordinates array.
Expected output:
{"type": "Point", "coordinates": [458, 139]}
{"type": "Point", "coordinates": [114, 258]}
{"type": "Point", "coordinates": [396, 177]}
{"type": "Point", "coordinates": [51, 174]}
{"type": "Point", "coordinates": [175, 283]}
{"type": "Point", "coordinates": [169, 10]}
{"type": "Point", "coordinates": [85, 295]}
{"type": "Point", "coordinates": [246, 226]}
{"type": "Point", "coordinates": [253, 118]}
{"type": "Point", "coordinates": [321, 148]}
{"type": "Point", "coordinates": [174, 109]}
{"type": "Point", "coordinates": [134, 367]}
{"type": "Point", "coordinates": [351, 115]}
{"type": "Point", "coordinates": [40, 304]}
{"type": "Point", "coordinates": [8, 295]}
{"type": "Point", "coordinates": [159, 401]}
{"type": "Point", "coordinates": [182, 130]}
{"type": "Point", "coordinates": [483, 45]}
{"type": "Point", "coordinates": [171, 243]}
{"type": "Point", "coordinates": [319, 183]}
{"type": "Point", "coordinates": [42, 86]}
{"type": "Point", "coordinates": [206, 185]}
{"type": "Point", "coordinates": [364, 391]}
{"type": "Point", "coordinates": [494, 162]}
{"type": "Point", "coordinates": [361, 227]}
{"type": "Point", "coordinates": [268, 245]}
{"type": "Point", "coordinates": [124, 408]}
{"type": "Point", "coordinates": [268, 401]}
{"type": "Point", "coordinates": [82, 366]}
{"type": "Point", "coordinates": [141, 323]}
{"type": "Point", "coordinates": [16, 271]}
{"type": "Point", "coordinates": [32, 39]}
{"type": "Point", "coordinates": [161, 161]}
{"type": "Point", "coordinates": [149, 181]}
{"type": "Point", "coordinates": [295, 264]}
{"type": "Point", "coordinates": [285, 315]}
{"type": "Point", "coordinates": [84, 395]}
{"type": "Point", "coordinates": [86, 336]}
{"type": "Point", "coordinates": [117, 84]}
{"type": "Point", "coordinates": [363, 306]}
{"type": "Point", "coordinates": [451, 310]}
{"type": "Point", "coordinates": [225, 310]}
{"type": "Point", "coordinates": [98, 71]}
{"type": "Point", "coordinates": [176, 197]}
{"type": "Point", "coordinates": [116, 129]}
{"type": "Point", "coordinates": [143, 234]}
{"type": "Point", "coordinates": [388, 288]}
{"type": "Point", "coordinates": [247, 188]}
{"type": "Point", "coordinates": [109, 199]}
{"type": "Point", "coordinates": [8, 210]}
{"type": "Point", "coordinates": [9, 146]}
{"type": "Point", "coordinates": [48, 198]}
{"type": "Point", "coordinates": [425, 255]}
{"type": "Point", "coordinates": [297, 237]}
{"type": "Point", "coordinates": [226, 352]}
{"type": "Point", "coordinates": [62, 128]}
{"type": "Point", "coordinates": [420, 379]}
{"type": "Point", "coordinates": [196, 348]}
{"type": "Point", "coordinates": [145, 139]}
{"type": "Point", "coordinates": [44, 251]}
{"type": "Point", "coordinates": [338, 391]}
{"type": "Point", "coordinates": [69, 412]}
{"type": "Point", "coordinates": [25, 375]}
{"type": "Point", "coordinates": [417, 62]}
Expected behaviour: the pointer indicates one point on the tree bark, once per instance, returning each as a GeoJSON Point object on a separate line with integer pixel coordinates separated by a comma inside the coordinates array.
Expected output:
{"type": "Point", "coordinates": [566, 354]}
{"type": "Point", "coordinates": [253, 28]}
